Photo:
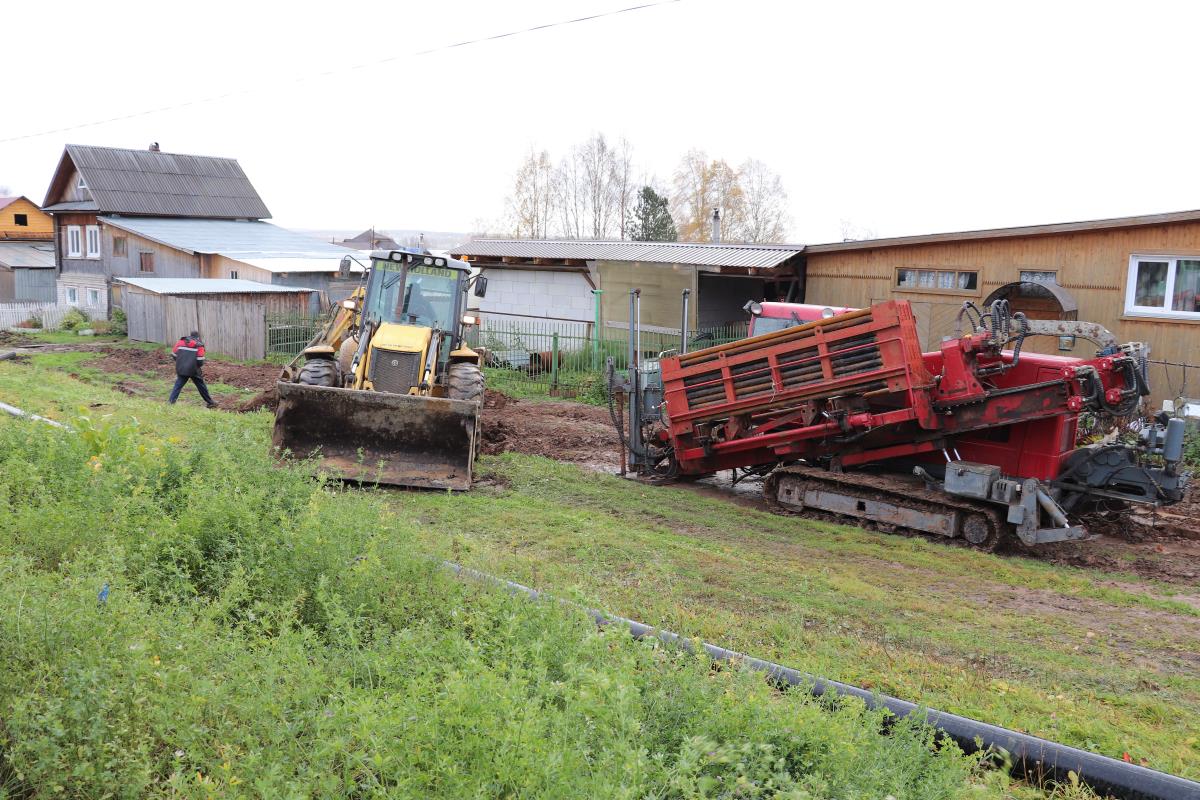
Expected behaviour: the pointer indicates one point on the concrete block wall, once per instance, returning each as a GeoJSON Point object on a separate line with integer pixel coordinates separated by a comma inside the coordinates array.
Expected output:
{"type": "Point", "coordinates": [538, 294]}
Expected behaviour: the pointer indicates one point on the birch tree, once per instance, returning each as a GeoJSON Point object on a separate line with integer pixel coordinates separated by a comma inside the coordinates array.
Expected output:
{"type": "Point", "coordinates": [764, 204]}
{"type": "Point", "coordinates": [530, 206]}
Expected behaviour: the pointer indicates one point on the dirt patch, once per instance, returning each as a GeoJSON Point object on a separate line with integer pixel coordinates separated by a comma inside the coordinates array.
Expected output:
{"type": "Point", "coordinates": [132, 361]}
{"type": "Point", "coordinates": [563, 431]}
{"type": "Point", "coordinates": [13, 339]}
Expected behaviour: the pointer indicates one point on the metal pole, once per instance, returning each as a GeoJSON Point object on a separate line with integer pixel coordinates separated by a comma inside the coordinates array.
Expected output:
{"type": "Point", "coordinates": [554, 364]}
{"type": "Point", "coordinates": [635, 389]}
{"type": "Point", "coordinates": [683, 325]}
{"type": "Point", "coordinates": [596, 330]}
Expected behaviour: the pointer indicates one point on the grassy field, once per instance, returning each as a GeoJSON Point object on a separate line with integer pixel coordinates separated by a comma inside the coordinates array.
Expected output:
{"type": "Point", "coordinates": [1105, 662]}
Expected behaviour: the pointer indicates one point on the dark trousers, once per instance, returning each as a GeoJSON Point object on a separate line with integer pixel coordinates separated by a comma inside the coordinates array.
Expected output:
{"type": "Point", "coordinates": [197, 379]}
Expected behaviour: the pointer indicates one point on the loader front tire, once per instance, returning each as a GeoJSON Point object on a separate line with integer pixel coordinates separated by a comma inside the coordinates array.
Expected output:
{"type": "Point", "coordinates": [318, 372]}
{"type": "Point", "coordinates": [465, 382]}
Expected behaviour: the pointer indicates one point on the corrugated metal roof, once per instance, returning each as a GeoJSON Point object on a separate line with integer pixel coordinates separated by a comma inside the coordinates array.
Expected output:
{"type": "Point", "coordinates": [233, 238]}
{"type": "Point", "coordinates": [74, 205]}
{"type": "Point", "coordinates": [8, 201]}
{"type": "Point", "coordinates": [26, 254]}
{"type": "Point", "coordinates": [281, 264]}
{"type": "Point", "coordinates": [1004, 233]}
{"type": "Point", "coordinates": [148, 182]}
{"type": "Point", "coordinates": [713, 255]}
{"type": "Point", "coordinates": [208, 286]}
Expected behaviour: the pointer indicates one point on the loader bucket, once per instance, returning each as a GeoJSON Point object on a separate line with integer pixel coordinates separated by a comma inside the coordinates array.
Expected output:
{"type": "Point", "coordinates": [377, 437]}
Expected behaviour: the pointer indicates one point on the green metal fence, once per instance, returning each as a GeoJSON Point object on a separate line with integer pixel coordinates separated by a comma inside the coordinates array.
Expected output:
{"type": "Point", "coordinates": [287, 334]}
{"type": "Point", "coordinates": [567, 359]}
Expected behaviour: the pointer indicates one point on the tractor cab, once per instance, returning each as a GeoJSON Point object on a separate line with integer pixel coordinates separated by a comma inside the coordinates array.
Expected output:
{"type": "Point", "coordinates": [768, 317]}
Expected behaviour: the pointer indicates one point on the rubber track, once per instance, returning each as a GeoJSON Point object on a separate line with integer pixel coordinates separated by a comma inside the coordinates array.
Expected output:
{"type": "Point", "coordinates": [906, 493]}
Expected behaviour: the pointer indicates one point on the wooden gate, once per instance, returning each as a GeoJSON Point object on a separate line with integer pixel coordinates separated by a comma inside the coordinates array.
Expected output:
{"type": "Point", "coordinates": [231, 327]}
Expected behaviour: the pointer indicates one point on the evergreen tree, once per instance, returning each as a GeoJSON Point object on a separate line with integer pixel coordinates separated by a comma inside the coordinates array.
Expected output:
{"type": "Point", "coordinates": [651, 220]}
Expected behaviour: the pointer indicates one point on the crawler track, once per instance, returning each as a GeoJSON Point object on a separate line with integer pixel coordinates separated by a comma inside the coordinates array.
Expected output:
{"type": "Point", "coordinates": [987, 524]}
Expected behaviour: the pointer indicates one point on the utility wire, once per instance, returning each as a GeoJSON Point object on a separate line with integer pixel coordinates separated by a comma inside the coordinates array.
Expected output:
{"type": "Point", "coordinates": [340, 70]}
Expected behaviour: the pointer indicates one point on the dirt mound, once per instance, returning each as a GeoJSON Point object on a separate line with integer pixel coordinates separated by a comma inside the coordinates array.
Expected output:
{"type": "Point", "coordinates": [160, 364]}
{"type": "Point", "coordinates": [11, 339]}
{"type": "Point", "coordinates": [564, 431]}
{"type": "Point", "coordinates": [268, 399]}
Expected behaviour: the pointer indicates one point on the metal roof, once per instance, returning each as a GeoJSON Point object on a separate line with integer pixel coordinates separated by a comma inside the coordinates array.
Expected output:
{"type": "Point", "coordinates": [1002, 233]}
{"type": "Point", "coordinates": [8, 201]}
{"type": "Point", "coordinates": [234, 238]}
{"type": "Point", "coordinates": [714, 255]}
{"type": "Point", "coordinates": [280, 264]}
{"type": "Point", "coordinates": [148, 182]}
{"type": "Point", "coordinates": [74, 205]}
{"type": "Point", "coordinates": [27, 254]}
{"type": "Point", "coordinates": [208, 286]}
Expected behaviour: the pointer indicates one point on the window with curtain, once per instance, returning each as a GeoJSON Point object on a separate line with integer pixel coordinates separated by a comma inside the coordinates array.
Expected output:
{"type": "Point", "coordinates": [1163, 286]}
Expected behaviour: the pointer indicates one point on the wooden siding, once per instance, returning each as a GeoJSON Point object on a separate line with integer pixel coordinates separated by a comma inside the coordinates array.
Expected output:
{"type": "Point", "coordinates": [1092, 265]}
{"type": "Point", "coordinates": [230, 324]}
{"type": "Point", "coordinates": [168, 262]}
{"type": "Point", "coordinates": [41, 225]}
{"type": "Point", "coordinates": [216, 265]}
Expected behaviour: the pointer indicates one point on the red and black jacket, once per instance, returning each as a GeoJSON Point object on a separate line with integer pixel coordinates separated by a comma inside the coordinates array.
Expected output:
{"type": "Point", "coordinates": [189, 356]}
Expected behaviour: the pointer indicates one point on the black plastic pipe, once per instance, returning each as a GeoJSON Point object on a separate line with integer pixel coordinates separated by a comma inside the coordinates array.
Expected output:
{"type": "Point", "coordinates": [1037, 760]}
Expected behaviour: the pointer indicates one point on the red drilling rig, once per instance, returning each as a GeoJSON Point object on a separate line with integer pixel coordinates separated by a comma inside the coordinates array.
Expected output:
{"type": "Point", "coordinates": [846, 418]}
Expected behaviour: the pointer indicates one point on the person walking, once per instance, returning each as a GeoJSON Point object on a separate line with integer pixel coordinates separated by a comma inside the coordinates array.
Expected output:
{"type": "Point", "coordinates": [188, 353]}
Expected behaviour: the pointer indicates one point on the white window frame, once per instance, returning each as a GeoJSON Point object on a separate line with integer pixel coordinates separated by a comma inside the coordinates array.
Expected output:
{"type": "Point", "coordinates": [72, 296]}
{"type": "Point", "coordinates": [92, 236]}
{"type": "Point", "coordinates": [80, 183]}
{"type": "Point", "coordinates": [74, 241]}
{"type": "Point", "coordinates": [1164, 311]}
{"type": "Point", "coordinates": [93, 303]}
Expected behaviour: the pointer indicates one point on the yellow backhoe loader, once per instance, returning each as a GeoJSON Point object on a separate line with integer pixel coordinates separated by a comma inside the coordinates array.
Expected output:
{"type": "Point", "coordinates": [389, 391]}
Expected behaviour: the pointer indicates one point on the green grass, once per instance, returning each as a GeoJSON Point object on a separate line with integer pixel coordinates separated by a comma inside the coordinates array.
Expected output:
{"type": "Point", "coordinates": [266, 634]}
{"type": "Point", "coordinates": [1098, 661]}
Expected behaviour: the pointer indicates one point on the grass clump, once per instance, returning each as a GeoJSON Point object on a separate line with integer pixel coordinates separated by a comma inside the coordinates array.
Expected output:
{"type": "Point", "coordinates": [192, 620]}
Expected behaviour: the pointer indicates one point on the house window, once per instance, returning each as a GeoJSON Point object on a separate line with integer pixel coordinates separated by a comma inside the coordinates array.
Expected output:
{"type": "Point", "coordinates": [146, 262]}
{"type": "Point", "coordinates": [74, 242]}
{"type": "Point", "coordinates": [79, 182]}
{"type": "Point", "coordinates": [93, 296]}
{"type": "Point", "coordinates": [233, 274]}
{"type": "Point", "coordinates": [21, 220]}
{"type": "Point", "coordinates": [1038, 276]}
{"type": "Point", "coordinates": [72, 296]}
{"type": "Point", "coordinates": [1164, 286]}
{"type": "Point", "coordinates": [93, 241]}
{"type": "Point", "coordinates": [119, 246]}
{"type": "Point", "coordinates": [937, 280]}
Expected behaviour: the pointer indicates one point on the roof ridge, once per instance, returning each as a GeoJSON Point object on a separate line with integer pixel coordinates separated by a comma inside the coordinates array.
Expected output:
{"type": "Point", "coordinates": [147, 150]}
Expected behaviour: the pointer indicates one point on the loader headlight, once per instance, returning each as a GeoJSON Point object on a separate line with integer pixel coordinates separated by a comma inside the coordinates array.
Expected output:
{"type": "Point", "coordinates": [349, 304]}
{"type": "Point", "coordinates": [470, 319]}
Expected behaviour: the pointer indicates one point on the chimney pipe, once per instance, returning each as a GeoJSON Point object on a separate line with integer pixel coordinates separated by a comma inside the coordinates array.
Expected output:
{"type": "Point", "coordinates": [716, 226]}
{"type": "Point", "coordinates": [154, 147]}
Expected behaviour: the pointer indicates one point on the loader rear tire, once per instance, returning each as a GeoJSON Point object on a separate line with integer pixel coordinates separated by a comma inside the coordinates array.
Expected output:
{"type": "Point", "coordinates": [318, 372]}
{"type": "Point", "coordinates": [465, 382]}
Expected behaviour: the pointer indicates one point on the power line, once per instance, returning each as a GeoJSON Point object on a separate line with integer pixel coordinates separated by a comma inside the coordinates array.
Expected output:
{"type": "Point", "coordinates": [340, 70]}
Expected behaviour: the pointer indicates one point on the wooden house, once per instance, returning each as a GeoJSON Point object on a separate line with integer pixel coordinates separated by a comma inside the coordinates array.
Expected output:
{"type": "Point", "coordinates": [21, 219]}
{"type": "Point", "coordinates": [1137, 276]}
{"type": "Point", "coordinates": [146, 213]}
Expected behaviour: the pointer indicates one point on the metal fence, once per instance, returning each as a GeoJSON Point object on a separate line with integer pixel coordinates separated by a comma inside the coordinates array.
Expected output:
{"type": "Point", "coordinates": [287, 334]}
{"type": "Point", "coordinates": [563, 359]}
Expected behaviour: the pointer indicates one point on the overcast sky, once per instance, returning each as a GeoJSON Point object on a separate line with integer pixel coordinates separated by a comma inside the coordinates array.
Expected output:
{"type": "Point", "coordinates": [895, 118]}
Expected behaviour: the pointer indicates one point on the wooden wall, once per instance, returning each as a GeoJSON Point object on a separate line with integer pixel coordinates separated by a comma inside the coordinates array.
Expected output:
{"type": "Point", "coordinates": [41, 224]}
{"type": "Point", "coordinates": [230, 324]}
{"type": "Point", "coordinates": [168, 262]}
{"type": "Point", "coordinates": [92, 266]}
{"type": "Point", "coordinates": [1092, 265]}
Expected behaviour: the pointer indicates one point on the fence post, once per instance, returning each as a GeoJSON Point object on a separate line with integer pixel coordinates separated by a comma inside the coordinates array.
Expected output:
{"type": "Point", "coordinates": [554, 364]}
{"type": "Point", "coordinates": [596, 331]}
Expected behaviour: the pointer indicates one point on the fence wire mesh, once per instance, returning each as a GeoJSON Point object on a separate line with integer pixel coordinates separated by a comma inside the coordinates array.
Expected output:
{"type": "Point", "coordinates": [287, 334]}
{"type": "Point", "coordinates": [567, 359]}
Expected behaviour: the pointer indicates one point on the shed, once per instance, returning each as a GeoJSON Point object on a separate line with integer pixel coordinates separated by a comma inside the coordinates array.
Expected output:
{"type": "Point", "coordinates": [27, 272]}
{"type": "Point", "coordinates": [230, 314]}
{"type": "Point", "coordinates": [555, 279]}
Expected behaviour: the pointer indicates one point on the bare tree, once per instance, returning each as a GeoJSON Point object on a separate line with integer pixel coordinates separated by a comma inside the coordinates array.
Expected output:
{"type": "Point", "coordinates": [764, 204]}
{"type": "Point", "coordinates": [624, 187]}
{"type": "Point", "coordinates": [690, 196]}
{"type": "Point", "coordinates": [531, 204]}
{"type": "Point", "coordinates": [856, 233]}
